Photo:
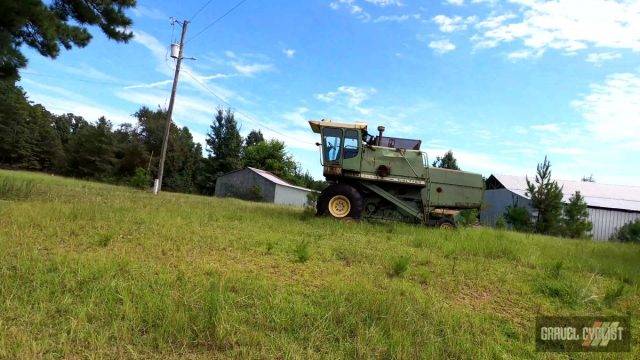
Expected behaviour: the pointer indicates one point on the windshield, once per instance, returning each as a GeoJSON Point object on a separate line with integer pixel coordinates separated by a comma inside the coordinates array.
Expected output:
{"type": "Point", "coordinates": [332, 144]}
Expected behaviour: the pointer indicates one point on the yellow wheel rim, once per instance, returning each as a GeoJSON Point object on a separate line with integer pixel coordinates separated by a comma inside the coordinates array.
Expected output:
{"type": "Point", "coordinates": [339, 206]}
{"type": "Point", "coordinates": [446, 225]}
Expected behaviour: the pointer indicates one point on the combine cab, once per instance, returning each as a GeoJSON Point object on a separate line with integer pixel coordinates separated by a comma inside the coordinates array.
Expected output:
{"type": "Point", "coordinates": [389, 178]}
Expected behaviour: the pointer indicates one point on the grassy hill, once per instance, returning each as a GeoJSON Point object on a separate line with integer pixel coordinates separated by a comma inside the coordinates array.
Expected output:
{"type": "Point", "coordinates": [92, 270]}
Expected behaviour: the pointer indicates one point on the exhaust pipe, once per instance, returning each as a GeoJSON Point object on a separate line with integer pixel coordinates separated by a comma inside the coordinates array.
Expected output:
{"type": "Point", "coordinates": [380, 131]}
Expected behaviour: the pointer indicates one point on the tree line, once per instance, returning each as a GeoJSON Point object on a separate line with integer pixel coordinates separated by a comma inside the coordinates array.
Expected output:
{"type": "Point", "coordinates": [32, 138]}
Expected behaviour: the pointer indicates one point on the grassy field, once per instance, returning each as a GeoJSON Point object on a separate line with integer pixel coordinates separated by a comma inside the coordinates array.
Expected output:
{"type": "Point", "coordinates": [90, 270]}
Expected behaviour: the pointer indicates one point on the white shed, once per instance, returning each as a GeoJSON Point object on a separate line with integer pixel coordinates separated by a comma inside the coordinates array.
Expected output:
{"type": "Point", "coordinates": [609, 206]}
{"type": "Point", "coordinates": [260, 185]}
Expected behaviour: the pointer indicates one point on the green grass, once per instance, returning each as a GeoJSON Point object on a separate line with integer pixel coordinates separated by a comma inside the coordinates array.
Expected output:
{"type": "Point", "coordinates": [89, 270]}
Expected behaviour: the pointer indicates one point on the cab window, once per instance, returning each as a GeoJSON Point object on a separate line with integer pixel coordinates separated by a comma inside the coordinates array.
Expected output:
{"type": "Point", "coordinates": [350, 144]}
{"type": "Point", "coordinates": [332, 144]}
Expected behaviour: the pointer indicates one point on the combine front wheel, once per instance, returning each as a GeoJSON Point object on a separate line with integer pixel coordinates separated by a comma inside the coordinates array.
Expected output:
{"type": "Point", "coordinates": [340, 201]}
{"type": "Point", "coordinates": [445, 223]}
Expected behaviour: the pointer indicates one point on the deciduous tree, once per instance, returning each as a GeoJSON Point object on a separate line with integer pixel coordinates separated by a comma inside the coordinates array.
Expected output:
{"type": "Point", "coordinates": [254, 137]}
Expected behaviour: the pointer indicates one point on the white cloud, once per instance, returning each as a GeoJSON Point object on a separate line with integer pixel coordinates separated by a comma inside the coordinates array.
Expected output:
{"type": "Point", "coordinates": [151, 13]}
{"type": "Point", "coordinates": [573, 151]}
{"type": "Point", "coordinates": [61, 101]}
{"type": "Point", "coordinates": [565, 25]}
{"type": "Point", "coordinates": [156, 47]}
{"type": "Point", "coordinates": [353, 8]}
{"type": "Point", "coordinates": [611, 109]}
{"type": "Point", "coordinates": [358, 11]}
{"type": "Point", "coordinates": [290, 53]}
{"type": "Point", "coordinates": [246, 65]}
{"type": "Point", "coordinates": [199, 138]}
{"type": "Point", "coordinates": [396, 18]}
{"type": "Point", "coordinates": [353, 95]}
{"type": "Point", "coordinates": [599, 58]}
{"type": "Point", "coordinates": [150, 85]}
{"type": "Point", "coordinates": [252, 69]}
{"type": "Point", "coordinates": [297, 117]}
{"type": "Point", "coordinates": [383, 3]}
{"type": "Point", "coordinates": [450, 24]}
{"type": "Point", "coordinates": [493, 22]}
{"type": "Point", "coordinates": [552, 128]}
{"type": "Point", "coordinates": [455, 2]}
{"type": "Point", "coordinates": [442, 46]}
{"type": "Point", "coordinates": [350, 96]}
{"type": "Point", "coordinates": [88, 71]}
{"type": "Point", "coordinates": [525, 54]}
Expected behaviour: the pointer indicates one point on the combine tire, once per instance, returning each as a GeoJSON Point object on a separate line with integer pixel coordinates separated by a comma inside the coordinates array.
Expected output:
{"type": "Point", "coordinates": [445, 223]}
{"type": "Point", "coordinates": [340, 201]}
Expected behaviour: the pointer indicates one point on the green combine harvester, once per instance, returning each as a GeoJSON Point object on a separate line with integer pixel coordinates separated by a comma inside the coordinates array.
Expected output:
{"type": "Point", "coordinates": [379, 177]}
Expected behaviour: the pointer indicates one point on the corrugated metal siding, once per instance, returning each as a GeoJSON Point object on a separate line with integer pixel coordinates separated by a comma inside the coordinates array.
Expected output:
{"type": "Point", "coordinates": [240, 184]}
{"type": "Point", "coordinates": [495, 203]}
{"type": "Point", "coordinates": [606, 221]}
{"type": "Point", "coordinates": [290, 196]}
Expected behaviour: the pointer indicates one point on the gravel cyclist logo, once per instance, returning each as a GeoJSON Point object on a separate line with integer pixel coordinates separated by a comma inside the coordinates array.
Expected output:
{"type": "Point", "coordinates": [583, 334]}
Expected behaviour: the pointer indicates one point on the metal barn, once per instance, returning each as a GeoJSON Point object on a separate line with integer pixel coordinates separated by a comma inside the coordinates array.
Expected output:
{"type": "Point", "coordinates": [610, 206]}
{"type": "Point", "coordinates": [259, 185]}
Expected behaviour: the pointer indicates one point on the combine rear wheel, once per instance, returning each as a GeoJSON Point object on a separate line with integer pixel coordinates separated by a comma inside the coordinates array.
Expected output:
{"type": "Point", "coordinates": [340, 201]}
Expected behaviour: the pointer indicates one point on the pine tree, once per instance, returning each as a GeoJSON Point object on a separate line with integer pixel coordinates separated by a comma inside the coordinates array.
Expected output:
{"type": "Point", "coordinates": [224, 142]}
{"type": "Point", "coordinates": [448, 161]}
{"type": "Point", "coordinates": [46, 26]}
{"type": "Point", "coordinates": [546, 198]}
{"type": "Point", "coordinates": [575, 218]}
{"type": "Point", "coordinates": [224, 148]}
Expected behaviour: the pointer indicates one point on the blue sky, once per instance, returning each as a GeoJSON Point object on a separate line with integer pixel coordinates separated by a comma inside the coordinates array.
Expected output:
{"type": "Point", "coordinates": [501, 83]}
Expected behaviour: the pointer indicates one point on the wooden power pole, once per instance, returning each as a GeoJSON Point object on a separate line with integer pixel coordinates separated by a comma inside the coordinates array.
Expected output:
{"type": "Point", "coordinates": [158, 183]}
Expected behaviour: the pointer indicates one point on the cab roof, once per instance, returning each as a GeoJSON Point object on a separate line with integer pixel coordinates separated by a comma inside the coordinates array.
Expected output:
{"type": "Point", "coordinates": [317, 125]}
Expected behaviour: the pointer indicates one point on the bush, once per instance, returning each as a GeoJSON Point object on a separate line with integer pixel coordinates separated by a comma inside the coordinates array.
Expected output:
{"type": "Point", "coordinates": [141, 179]}
{"type": "Point", "coordinates": [500, 223]}
{"type": "Point", "coordinates": [518, 218]}
{"type": "Point", "coordinates": [629, 232]}
{"type": "Point", "coordinates": [468, 217]}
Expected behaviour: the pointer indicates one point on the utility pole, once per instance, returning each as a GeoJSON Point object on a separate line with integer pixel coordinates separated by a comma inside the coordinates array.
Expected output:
{"type": "Point", "coordinates": [157, 186]}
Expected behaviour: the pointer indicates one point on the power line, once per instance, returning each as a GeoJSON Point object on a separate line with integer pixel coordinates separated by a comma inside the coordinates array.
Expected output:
{"type": "Point", "coordinates": [200, 10]}
{"type": "Point", "coordinates": [216, 21]}
{"type": "Point", "coordinates": [247, 117]}
{"type": "Point", "coordinates": [114, 83]}
{"type": "Point", "coordinates": [80, 80]}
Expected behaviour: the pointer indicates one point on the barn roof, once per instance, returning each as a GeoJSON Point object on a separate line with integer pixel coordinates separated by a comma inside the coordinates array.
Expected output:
{"type": "Point", "coordinates": [595, 194]}
{"type": "Point", "coordinates": [276, 180]}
